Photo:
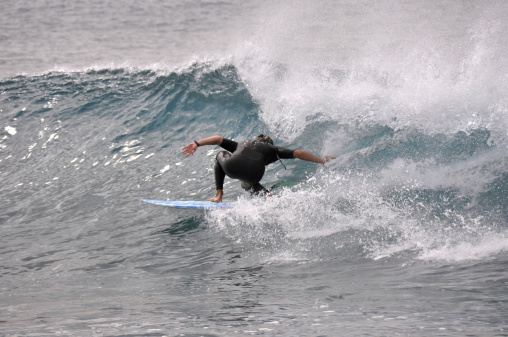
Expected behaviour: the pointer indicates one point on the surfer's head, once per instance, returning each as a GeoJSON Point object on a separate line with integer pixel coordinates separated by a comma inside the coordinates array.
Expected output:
{"type": "Point", "coordinates": [265, 139]}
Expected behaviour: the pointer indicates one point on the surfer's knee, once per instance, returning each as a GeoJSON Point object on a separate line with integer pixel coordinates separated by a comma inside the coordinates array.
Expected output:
{"type": "Point", "coordinates": [254, 189]}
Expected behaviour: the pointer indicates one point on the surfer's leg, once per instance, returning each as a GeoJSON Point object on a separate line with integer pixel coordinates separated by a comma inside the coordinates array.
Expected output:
{"type": "Point", "coordinates": [220, 175]}
{"type": "Point", "coordinates": [254, 189]}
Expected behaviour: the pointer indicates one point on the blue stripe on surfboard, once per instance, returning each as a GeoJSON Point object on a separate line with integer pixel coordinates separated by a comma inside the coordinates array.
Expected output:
{"type": "Point", "coordinates": [190, 204]}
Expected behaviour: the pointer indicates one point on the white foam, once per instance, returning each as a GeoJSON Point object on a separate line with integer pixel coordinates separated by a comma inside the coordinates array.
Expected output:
{"type": "Point", "coordinates": [471, 177]}
{"type": "Point", "coordinates": [335, 212]}
{"type": "Point", "coordinates": [10, 130]}
{"type": "Point", "coordinates": [447, 76]}
{"type": "Point", "coordinates": [487, 247]}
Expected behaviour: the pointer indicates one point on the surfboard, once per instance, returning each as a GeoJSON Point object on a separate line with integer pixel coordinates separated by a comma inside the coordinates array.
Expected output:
{"type": "Point", "coordinates": [190, 204]}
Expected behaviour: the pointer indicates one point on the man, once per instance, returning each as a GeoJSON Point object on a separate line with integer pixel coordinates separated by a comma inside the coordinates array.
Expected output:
{"type": "Point", "coordinates": [246, 161]}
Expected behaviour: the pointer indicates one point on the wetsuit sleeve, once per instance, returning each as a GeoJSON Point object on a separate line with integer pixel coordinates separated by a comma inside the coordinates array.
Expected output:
{"type": "Point", "coordinates": [229, 145]}
{"type": "Point", "coordinates": [284, 153]}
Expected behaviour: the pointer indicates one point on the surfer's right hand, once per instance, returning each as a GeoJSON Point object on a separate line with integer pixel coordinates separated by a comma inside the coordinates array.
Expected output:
{"type": "Point", "coordinates": [189, 149]}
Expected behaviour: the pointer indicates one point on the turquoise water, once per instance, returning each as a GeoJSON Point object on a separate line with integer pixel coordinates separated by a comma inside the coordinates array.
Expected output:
{"type": "Point", "coordinates": [405, 233]}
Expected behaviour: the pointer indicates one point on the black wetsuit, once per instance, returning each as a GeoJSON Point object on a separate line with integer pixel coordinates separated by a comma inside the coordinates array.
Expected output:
{"type": "Point", "coordinates": [246, 161]}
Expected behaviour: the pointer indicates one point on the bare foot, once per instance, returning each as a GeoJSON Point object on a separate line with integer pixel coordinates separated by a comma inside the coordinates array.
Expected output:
{"type": "Point", "coordinates": [217, 197]}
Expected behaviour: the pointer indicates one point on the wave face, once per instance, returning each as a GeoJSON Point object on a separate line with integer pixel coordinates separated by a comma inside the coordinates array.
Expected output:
{"type": "Point", "coordinates": [80, 149]}
{"type": "Point", "coordinates": [406, 230]}
{"type": "Point", "coordinates": [99, 134]}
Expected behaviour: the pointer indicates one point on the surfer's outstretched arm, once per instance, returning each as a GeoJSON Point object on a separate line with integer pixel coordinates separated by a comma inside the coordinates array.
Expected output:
{"type": "Point", "coordinates": [192, 147]}
{"type": "Point", "coordinates": [303, 155]}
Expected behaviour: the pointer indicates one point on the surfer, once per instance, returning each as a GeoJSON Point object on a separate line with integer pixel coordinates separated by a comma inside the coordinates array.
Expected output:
{"type": "Point", "coordinates": [246, 161]}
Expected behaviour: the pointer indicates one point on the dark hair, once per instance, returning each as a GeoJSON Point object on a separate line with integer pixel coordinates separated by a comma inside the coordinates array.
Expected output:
{"type": "Point", "coordinates": [265, 139]}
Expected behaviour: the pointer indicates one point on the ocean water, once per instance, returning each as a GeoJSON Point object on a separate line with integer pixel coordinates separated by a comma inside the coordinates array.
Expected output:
{"type": "Point", "coordinates": [405, 233]}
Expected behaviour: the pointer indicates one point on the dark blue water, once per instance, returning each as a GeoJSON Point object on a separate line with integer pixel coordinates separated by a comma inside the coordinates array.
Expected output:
{"type": "Point", "coordinates": [405, 233]}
